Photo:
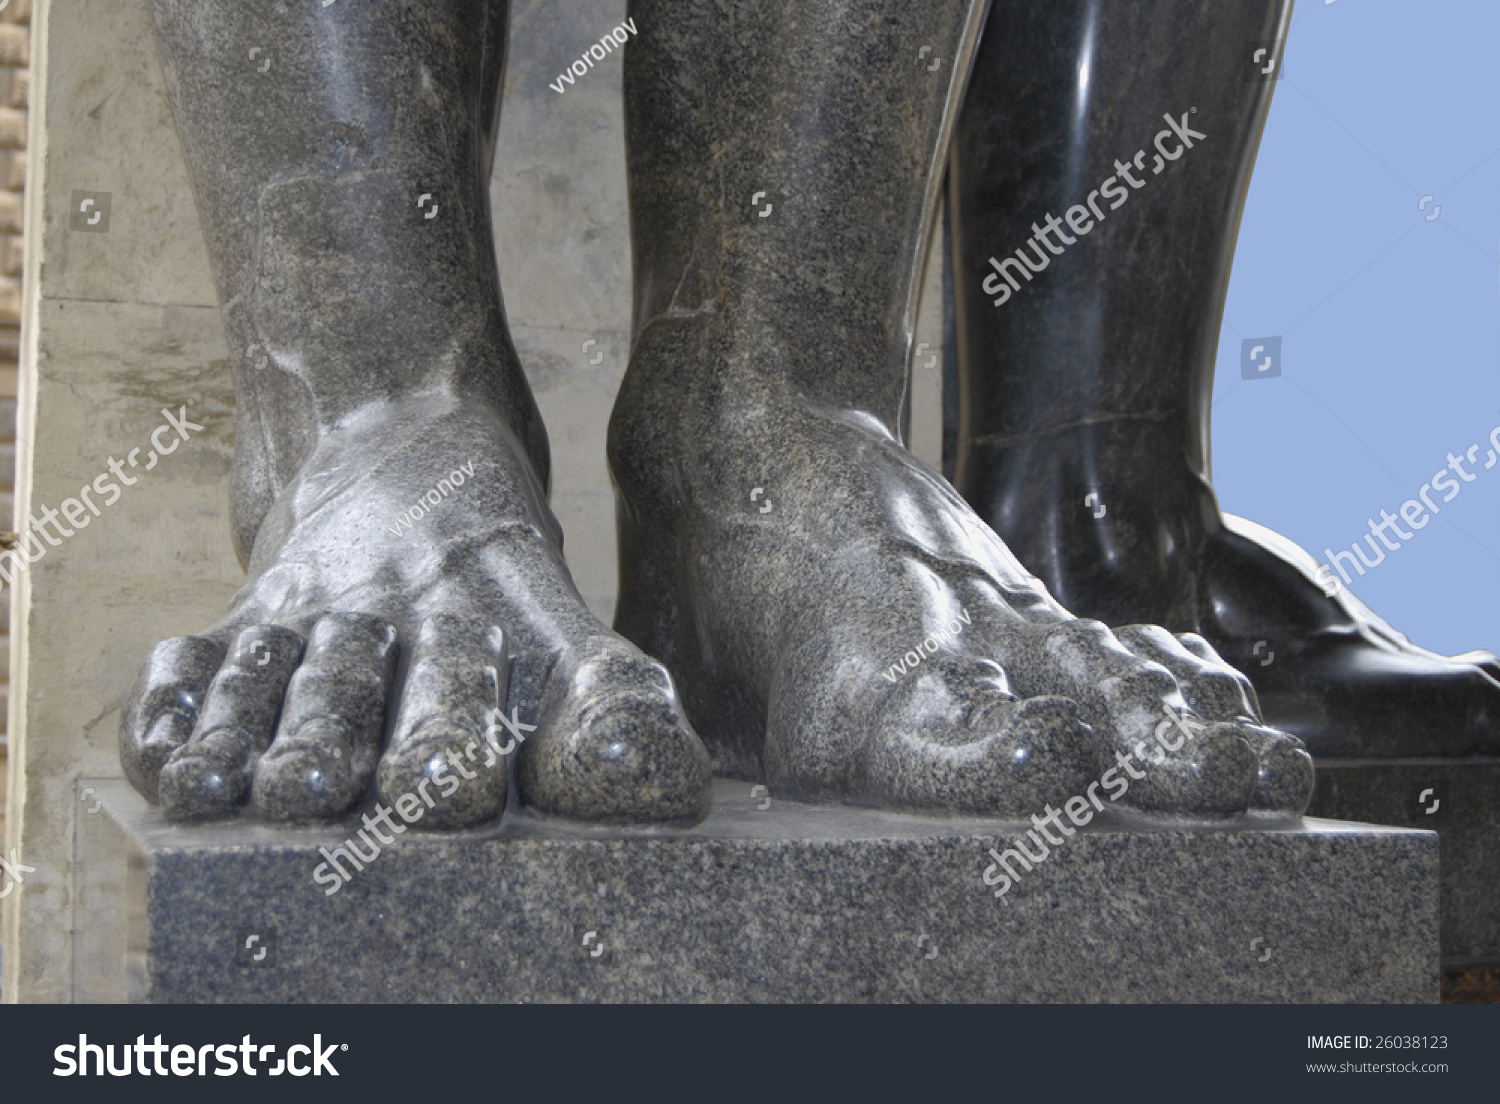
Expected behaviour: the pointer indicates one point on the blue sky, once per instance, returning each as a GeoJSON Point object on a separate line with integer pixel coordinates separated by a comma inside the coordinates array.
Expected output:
{"type": "Point", "coordinates": [1389, 318]}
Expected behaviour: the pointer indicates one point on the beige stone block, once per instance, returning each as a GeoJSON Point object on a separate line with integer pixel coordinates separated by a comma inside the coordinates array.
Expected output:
{"type": "Point", "coordinates": [562, 238]}
{"type": "Point", "coordinates": [110, 129]}
{"type": "Point", "coordinates": [558, 187]}
{"type": "Point", "coordinates": [588, 519]}
{"type": "Point", "coordinates": [155, 563]}
{"type": "Point", "coordinates": [12, 128]}
{"type": "Point", "coordinates": [576, 397]}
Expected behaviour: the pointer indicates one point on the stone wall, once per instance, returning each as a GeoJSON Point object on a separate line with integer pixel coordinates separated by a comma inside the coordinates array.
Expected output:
{"type": "Point", "coordinates": [121, 320]}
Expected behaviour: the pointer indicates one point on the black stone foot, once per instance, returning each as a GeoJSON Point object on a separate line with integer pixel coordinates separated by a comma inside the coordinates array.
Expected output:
{"type": "Point", "coordinates": [476, 586]}
{"type": "Point", "coordinates": [1327, 668]}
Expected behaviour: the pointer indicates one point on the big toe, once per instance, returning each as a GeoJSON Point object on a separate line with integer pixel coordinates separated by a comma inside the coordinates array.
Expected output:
{"type": "Point", "coordinates": [1215, 691]}
{"type": "Point", "coordinates": [164, 706]}
{"type": "Point", "coordinates": [1284, 777]}
{"type": "Point", "coordinates": [617, 748]}
{"type": "Point", "coordinates": [953, 738]}
{"type": "Point", "coordinates": [1212, 772]}
{"type": "Point", "coordinates": [1133, 705]}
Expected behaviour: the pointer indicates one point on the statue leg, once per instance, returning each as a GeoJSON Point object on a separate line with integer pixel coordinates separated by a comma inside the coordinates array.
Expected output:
{"type": "Point", "coordinates": [842, 624]}
{"type": "Point", "coordinates": [409, 624]}
{"type": "Point", "coordinates": [1086, 387]}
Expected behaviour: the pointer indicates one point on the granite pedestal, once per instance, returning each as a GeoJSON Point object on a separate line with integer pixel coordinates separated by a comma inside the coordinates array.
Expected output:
{"type": "Point", "coordinates": [766, 901]}
{"type": "Point", "coordinates": [1459, 799]}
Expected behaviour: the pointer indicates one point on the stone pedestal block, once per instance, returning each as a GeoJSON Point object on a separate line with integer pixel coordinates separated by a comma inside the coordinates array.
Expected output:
{"type": "Point", "coordinates": [1457, 798]}
{"type": "Point", "coordinates": [766, 901]}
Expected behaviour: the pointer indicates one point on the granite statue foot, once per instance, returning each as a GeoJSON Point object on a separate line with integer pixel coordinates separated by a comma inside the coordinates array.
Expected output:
{"type": "Point", "coordinates": [283, 707]}
{"type": "Point", "coordinates": [842, 624]}
{"type": "Point", "coordinates": [868, 639]}
{"type": "Point", "coordinates": [409, 629]}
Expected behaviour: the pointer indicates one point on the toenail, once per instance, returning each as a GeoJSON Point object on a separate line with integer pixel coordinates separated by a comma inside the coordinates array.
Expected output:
{"type": "Point", "coordinates": [170, 729]}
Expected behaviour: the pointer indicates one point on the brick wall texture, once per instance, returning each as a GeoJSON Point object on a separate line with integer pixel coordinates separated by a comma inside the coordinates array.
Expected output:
{"type": "Point", "coordinates": [15, 86]}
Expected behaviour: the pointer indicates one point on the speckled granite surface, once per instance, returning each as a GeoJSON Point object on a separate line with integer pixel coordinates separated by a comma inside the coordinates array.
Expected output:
{"type": "Point", "coordinates": [389, 494]}
{"type": "Point", "coordinates": [786, 903]}
{"type": "Point", "coordinates": [840, 624]}
{"type": "Point", "coordinates": [1459, 799]}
